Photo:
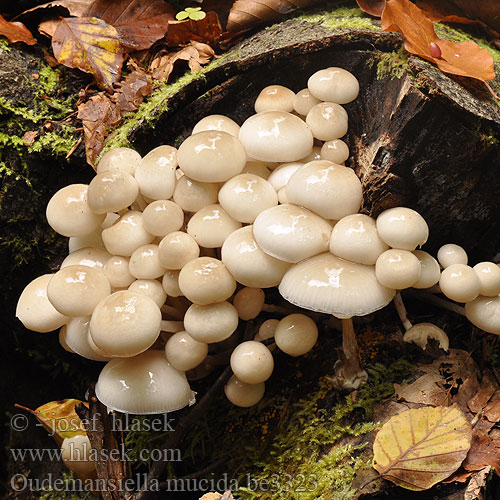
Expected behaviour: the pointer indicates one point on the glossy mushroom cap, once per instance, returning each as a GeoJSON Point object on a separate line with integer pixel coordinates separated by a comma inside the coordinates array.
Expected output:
{"type": "Point", "coordinates": [151, 288]}
{"type": "Point", "coordinates": [118, 272]}
{"type": "Point", "coordinates": [252, 362]}
{"type": "Point", "coordinates": [122, 159]}
{"type": "Point", "coordinates": [76, 453]}
{"type": "Point", "coordinates": [68, 212]}
{"type": "Point", "coordinates": [76, 290]}
{"type": "Point", "coordinates": [430, 272]}
{"type": "Point", "coordinates": [211, 156]}
{"type": "Point", "coordinates": [211, 225]}
{"type": "Point", "coordinates": [162, 217]}
{"type": "Point", "coordinates": [259, 168]}
{"type": "Point", "coordinates": [34, 309]}
{"type": "Point", "coordinates": [422, 332]}
{"type": "Point", "coordinates": [327, 121]}
{"type": "Point", "coordinates": [217, 122]}
{"type": "Point", "coordinates": [451, 254]}
{"type": "Point", "coordinates": [291, 233]}
{"type": "Point", "coordinates": [243, 395]}
{"type": "Point", "coordinates": [125, 324]}
{"type": "Point", "coordinates": [95, 257]}
{"type": "Point", "coordinates": [460, 283]}
{"type": "Point", "coordinates": [267, 330]}
{"type": "Point", "coordinates": [275, 98]}
{"type": "Point", "coordinates": [192, 195]}
{"type": "Point", "coordinates": [330, 190]}
{"type": "Point", "coordinates": [155, 174]}
{"type": "Point", "coordinates": [402, 228]}
{"type": "Point", "coordinates": [144, 384]}
{"type": "Point", "coordinates": [331, 285]}
{"type": "Point", "coordinates": [111, 192]}
{"type": "Point", "coordinates": [177, 249]}
{"type": "Point", "coordinates": [170, 283]}
{"type": "Point", "coordinates": [206, 280]}
{"type": "Point", "coordinates": [296, 334]}
{"type": "Point", "coordinates": [145, 263]}
{"type": "Point", "coordinates": [334, 84]}
{"type": "Point", "coordinates": [355, 238]}
{"type": "Point", "coordinates": [336, 151]}
{"type": "Point", "coordinates": [304, 101]}
{"type": "Point", "coordinates": [76, 334]}
{"type": "Point", "coordinates": [280, 176]}
{"type": "Point", "coordinates": [276, 136]}
{"type": "Point", "coordinates": [211, 323]}
{"type": "Point", "coordinates": [484, 312]}
{"type": "Point", "coordinates": [183, 352]}
{"type": "Point", "coordinates": [397, 269]}
{"type": "Point", "coordinates": [489, 277]}
{"type": "Point", "coordinates": [249, 302]}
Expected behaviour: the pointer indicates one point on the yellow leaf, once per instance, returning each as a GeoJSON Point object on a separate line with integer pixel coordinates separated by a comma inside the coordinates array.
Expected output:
{"type": "Point", "coordinates": [419, 448]}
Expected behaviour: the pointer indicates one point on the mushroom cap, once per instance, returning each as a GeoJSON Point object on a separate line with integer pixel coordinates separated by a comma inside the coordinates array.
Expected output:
{"type": "Point", "coordinates": [451, 254]}
{"type": "Point", "coordinates": [489, 277]}
{"type": "Point", "coordinates": [125, 323]}
{"type": "Point", "coordinates": [397, 269]}
{"type": "Point", "coordinates": [334, 84]}
{"type": "Point", "coordinates": [276, 136]}
{"type": "Point", "coordinates": [282, 196]}
{"type": "Point", "coordinates": [211, 225]}
{"type": "Point", "coordinates": [275, 98]}
{"type": "Point", "coordinates": [152, 288]}
{"type": "Point", "coordinates": [430, 272]}
{"type": "Point", "coordinates": [76, 453]}
{"type": "Point", "coordinates": [217, 122]}
{"type": "Point", "coordinates": [69, 214]}
{"type": "Point", "coordinates": [123, 159]}
{"type": "Point", "coordinates": [170, 283]}
{"type": "Point", "coordinates": [327, 121]}
{"type": "Point", "coordinates": [34, 309]}
{"type": "Point", "coordinates": [304, 101]}
{"type": "Point", "coordinates": [211, 156]}
{"type": "Point", "coordinates": [267, 330]}
{"type": "Point", "coordinates": [144, 384]}
{"type": "Point", "coordinates": [280, 176]}
{"type": "Point", "coordinates": [330, 190]}
{"type": "Point", "coordinates": [211, 323]}
{"type": "Point", "coordinates": [95, 257]}
{"type": "Point", "coordinates": [402, 228]}
{"type": "Point", "coordinates": [484, 312]}
{"type": "Point", "coordinates": [112, 191]}
{"type": "Point", "coordinates": [291, 233]}
{"type": "Point", "coordinates": [249, 302]}
{"type": "Point", "coordinates": [177, 249]}
{"type": "Point", "coordinates": [331, 285]}
{"type": "Point", "coordinates": [422, 332]}
{"type": "Point", "coordinates": [460, 283]}
{"type": "Point", "coordinates": [155, 174]}
{"type": "Point", "coordinates": [126, 234]}
{"type": "Point", "coordinates": [355, 238]}
{"type": "Point", "coordinates": [243, 395]}
{"type": "Point", "coordinates": [76, 290]}
{"type": "Point", "coordinates": [184, 352]}
{"type": "Point", "coordinates": [314, 155]}
{"type": "Point", "coordinates": [259, 168]}
{"type": "Point", "coordinates": [246, 195]}
{"type": "Point", "coordinates": [336, 151]}
{"type": "Point", "coordinates": [92, 239]}
{"type": "Point", "coordinates": [145, 263]}
{"type": "Point", "coordinates": [296, 334]}
{"type": "Point", "coordinates": [162, 217]}
{"type": "Point", "coordinates": [206, 280]}
{"type": "Point", "coordinates": [76, 334]}
{"type": "Point", "coordinates": [252, 362]}
{"type": "Point", "coordinates": [192, 195]}
{"type": "Point", "coordinates": [248, 264]}
{"type": "Point", "coordinates": [118, 272]}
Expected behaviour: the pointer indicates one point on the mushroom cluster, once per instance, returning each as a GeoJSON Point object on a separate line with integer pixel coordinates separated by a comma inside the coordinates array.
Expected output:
{"type": "Point", "coordinates": [168, 252]}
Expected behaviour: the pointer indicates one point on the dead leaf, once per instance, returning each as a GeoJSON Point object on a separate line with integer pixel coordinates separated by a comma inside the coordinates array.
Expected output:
{"type": "Point", "coordinates": [75, 8]}
{"type": "Point", "coordinates": [132, 91]}
{"type": "Point", "coordinates": [443, 10]}
{"type": "Point", "coordinates": [99, 115]}
{"type": "Point", "coordinates": [48, 27]}
{"type": "Point", "coordinates": [419, 448]}
{"type": "Point", "coordinates": [492, 409]}
{"type": "Point", "coordinates": [139, 23]}
{"type": "Point", "coordinates": [477, 485]}
{"type": "Point", "coordinates": [486, 390]}
{"type": "Point", "coordinates": [372, 7]}
{"type": "Point", "coordinates": [16, 32]}
{"type": "Point", "coordinates": [484, 451]}
{"type": "Point", "coordinates": [246, 14]}
{"type": "Point", "coordinates": [207, 30]}
{"type": "Point", "coordinates": [91, 45]}
{"type": "Point", "coordinates": [463, 59]}
{"type": "Point", "coordinates": [29, 137]}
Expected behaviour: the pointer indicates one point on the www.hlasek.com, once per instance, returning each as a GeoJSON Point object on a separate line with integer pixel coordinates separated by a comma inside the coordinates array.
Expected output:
{"type": "Point", "coordinates": [275, 483]}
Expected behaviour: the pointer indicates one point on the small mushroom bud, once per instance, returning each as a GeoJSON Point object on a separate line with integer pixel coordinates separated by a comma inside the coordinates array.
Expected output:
{"type": "Point", "coordinates": [296, 334]}
{"type": "Point", "coordinates": [162, 217]}
{"type": "Point", "coordinates": [327, 121]}
{"type": "Point", "coordinates": [460, 283]}
{"type": "Point", "coordinates": [334, 84]}
{"type": "Point", "coordinates": [111, 192]}
{"type": "Point", "coordinates": [217, 122]}
{"type": "Point", "coordinates": [244, 395]}
{"type": "Point", "coordinates": [489, 277]}
{"type": "Point", "coordinates": [252, 362]}
{"type": "Point", "coordinates": [152, 288]}
{"type": "Point", "coordinates": [122, 159]}
{"type": "Point", "coordinates": [249, 302]}
{"type": "Point", "coordinates": [430, 271]}
{"type": "Point", "coordinates": [275, 98]}
{"type": "Point", "coordinates": [397, 269]}
{"type": "Point", "coordinates": [177, 249]}
{"type": "Point", "coordinates": [450, 254]}
{"type": "Point", "coordinates": [118, 272]}
{"type": "Point", "coordinates": [335, 151]}
{"type": "Point", "coordinates": [145, 262]}
{"type": "Point", "coordinates": [184, 352]}
{"type": "Point", "coordinates": [267, 330]}
{"type": "Point", "coordinates": [76, 454]}
{"type": "Point", "coordinates": [304, 101]}
{"type": "Point", "coordinates": [170, 283]}
{"type": "Point", "coordinates": [192, 195]}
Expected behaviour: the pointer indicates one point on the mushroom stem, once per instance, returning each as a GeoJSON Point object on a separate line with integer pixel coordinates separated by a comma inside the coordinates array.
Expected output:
{"type": "Point", "coordinates": [172, 326]}
{"type": "Point", "coordinates": [172, 312]}
{"type": "Point", "coordinates": [436, 301]}
{"type": "Point", "coordinates": [402, 313]}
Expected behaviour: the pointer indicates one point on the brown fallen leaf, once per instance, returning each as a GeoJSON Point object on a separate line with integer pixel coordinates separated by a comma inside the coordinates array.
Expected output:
{"type": "Point", "coordinates": [75, 8]}
{"type": "Point", "coordinates": [16, 32]}
{"type": "Point", "coordinates": [372, 7]}
{"type": "Point", "coordinates": [48, 27]}
{"type": "Point", "coordinates": [419, 448]}
{"type": "Point", "coordinates": [206, 30]}
{"type": "Point", "coordinates": [488, 387]}
{"type": "Point", "coordinates": [132, 90]}
{"type": "Point", "coordinates": [29, 137]}
{"type": "Point", "coordinates": [89, 44]}
{"type": "Point", "coordinates": [444, 10]}
{"type": "Point", "coordinates": [492, 409]}
{"type": "Point", "coordinates": [246, 14]}
{"type": "Point", "coordinates": [484, 451]}
{"type": "Point", "coordinates": [139, 23]}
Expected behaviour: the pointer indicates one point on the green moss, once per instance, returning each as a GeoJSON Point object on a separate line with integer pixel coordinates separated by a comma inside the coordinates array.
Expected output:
{"type": "Point", "coordinates": [391, 64]}
{"type": "Point", "coordinates": [341, 18]}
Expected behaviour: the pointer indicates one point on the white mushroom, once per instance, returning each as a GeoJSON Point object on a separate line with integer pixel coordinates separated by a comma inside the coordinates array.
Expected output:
{"type": "Point", "coordinates": [122, 159]}
{"type": "Point", "coordinates": [304, 101]}
{"type": "Point", "coordinates": [162, 217]}
{"type": "Point", "coordinates": [217, 122]}
{"type": "Point", "coordinates": [275, 98]}
{"type": "Point", "coordinates": [451, 254]}
{"type": "Point", "coordinates": [489, 277]}
{"type": "Point", "coordinates": [192, 195]}
{"type": "Point", "coordinates": [112, 191]}
{"type": "Point", "coordinates": [184, 352]}
{"type": "Point", "coordinates": [430, 271]}
{"type": "Point", "coordinates": [145, 262]}
{"type": "Point", "coordinates": [244, 395]}
{"type": "Point", "coordinates": [252, 362]}
{"type": "Point", "coordinates": [152, 288]}
{"type": "Point", "coordinates": [397, 269]}
{"type": "Point", "coordinates": [249, 302]}
{"type": "Point", "coordinates": [460, 283]}
{"type": "Point", "coordinates": [296, 334]}
{"type": "Point", "coordinates": [177, 249]}
{"type": "Point", "coordinates": [334, 84]}
{"type": "Point", "coordinates": [327, 121]}
{"type": "Point", "coordinates": [336, 151]}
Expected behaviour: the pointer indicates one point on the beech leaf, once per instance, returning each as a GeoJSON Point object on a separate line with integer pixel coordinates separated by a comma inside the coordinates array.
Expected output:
{"type": "Point", "coordinates": [16, 32]}
{"type": "Point", "coordinates": [419, 448]}
{"type": "Point", "coordinates": [246, 14]}
{"type": "Point", "coordinates": [91, 45]}
{"type": "Point", "coordinates": [372, 7]}
{"type": "Point", "coordinates": [75, 8]}
{"type": "Point", "coordinates": [207, 30]}
{"type": "Point", "coordinates": [139, 23]}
